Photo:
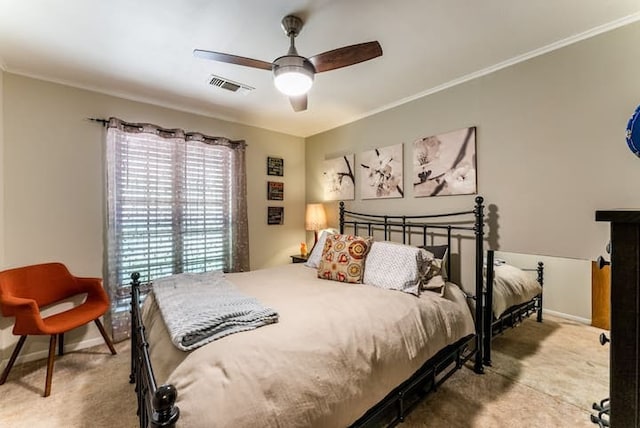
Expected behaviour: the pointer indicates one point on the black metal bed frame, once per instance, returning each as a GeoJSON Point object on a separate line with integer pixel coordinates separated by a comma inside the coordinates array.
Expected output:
{"type": "Point", "coordinates": [512, 316]}
{"type": "Point", "coordinates": [156, 404]}
{"type": "Point", "coordinates": [394, 408]}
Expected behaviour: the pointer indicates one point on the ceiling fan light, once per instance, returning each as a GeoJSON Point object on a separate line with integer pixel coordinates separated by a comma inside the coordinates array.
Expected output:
{"type": "Point", "coordinates": [293, 82]}
{"type": "Point", "coordinates": [293, 75]}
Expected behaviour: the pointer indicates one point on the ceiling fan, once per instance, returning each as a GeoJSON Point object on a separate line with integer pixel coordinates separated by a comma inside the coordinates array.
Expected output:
{"type": "Point", "coordinates": [293, 74]}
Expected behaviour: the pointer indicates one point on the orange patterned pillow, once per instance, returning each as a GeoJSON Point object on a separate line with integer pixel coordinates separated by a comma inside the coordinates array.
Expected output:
{"type": "Point", "coordinates": [343, 258]}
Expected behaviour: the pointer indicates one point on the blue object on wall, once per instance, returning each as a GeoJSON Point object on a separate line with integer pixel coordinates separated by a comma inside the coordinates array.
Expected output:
{"type": "Point", "coordinates": [633, 132]}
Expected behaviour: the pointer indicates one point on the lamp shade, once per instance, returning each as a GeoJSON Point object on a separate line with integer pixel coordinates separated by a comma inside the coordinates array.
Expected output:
{"type": "Point", "coordinates": [315, 218]}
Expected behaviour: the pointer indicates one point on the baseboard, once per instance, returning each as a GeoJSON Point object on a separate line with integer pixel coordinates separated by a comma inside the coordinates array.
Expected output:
{"type": "Point", "coordinates": [43, 354]}
{"type": "Point", "coordinates": [567, 316]}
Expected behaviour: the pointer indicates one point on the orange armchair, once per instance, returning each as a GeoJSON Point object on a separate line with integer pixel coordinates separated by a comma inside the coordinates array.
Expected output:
{"type": "Point", "coordinates": [25, 290]}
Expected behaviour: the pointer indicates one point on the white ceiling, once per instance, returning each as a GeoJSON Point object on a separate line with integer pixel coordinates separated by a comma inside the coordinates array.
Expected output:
{"type": "Point", "coordinates": [142, 49]}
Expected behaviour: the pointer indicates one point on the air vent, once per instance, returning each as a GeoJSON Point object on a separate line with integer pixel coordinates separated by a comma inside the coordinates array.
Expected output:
{"type": "Point", "coordinates": [229, 85]}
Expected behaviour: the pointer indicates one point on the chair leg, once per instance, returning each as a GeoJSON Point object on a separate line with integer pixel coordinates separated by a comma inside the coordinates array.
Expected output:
{"type": "Point", "coordinates": [106, 338]}
{"type": "Point", "coordinates": [12, 360]}
{"type": "Point", "coordinates": [60, 344]}
{"type": "Point", "coordinates": [50, 361]}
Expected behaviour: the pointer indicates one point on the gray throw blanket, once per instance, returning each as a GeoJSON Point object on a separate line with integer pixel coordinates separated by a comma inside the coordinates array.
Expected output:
{"type": "Point", "coordinates": [200, 308]}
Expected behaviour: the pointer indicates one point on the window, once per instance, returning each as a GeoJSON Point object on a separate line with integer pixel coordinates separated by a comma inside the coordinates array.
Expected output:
{"type": "Point", "coordinates": [176, 203]}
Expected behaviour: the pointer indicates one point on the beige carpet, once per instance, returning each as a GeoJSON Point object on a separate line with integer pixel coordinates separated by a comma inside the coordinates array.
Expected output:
{"type": "Point", "coordinates": [543, 375]}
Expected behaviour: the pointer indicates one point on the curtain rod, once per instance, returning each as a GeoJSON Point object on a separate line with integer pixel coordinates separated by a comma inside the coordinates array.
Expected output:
{"type": "Point", "coordinates": [104, 122]}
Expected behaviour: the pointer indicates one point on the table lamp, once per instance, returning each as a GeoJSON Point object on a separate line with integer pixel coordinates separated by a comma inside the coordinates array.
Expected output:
{"type": "Point", "coordinates": [315, 219]}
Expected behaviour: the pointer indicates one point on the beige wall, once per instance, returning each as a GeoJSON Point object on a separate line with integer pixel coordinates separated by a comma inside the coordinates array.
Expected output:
{"type": "Point", "coordinates": [550, 146]}
{"type": "Point", "coordinates": [1, 173]}
{"type": "Point", "coordinates": [54, 178]}
{"type": "Point", "coordinates": [3, 323]}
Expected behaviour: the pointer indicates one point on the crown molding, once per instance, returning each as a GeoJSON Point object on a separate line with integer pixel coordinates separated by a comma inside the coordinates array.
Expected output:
{"type": "Point", "coordinates": [508, 63]}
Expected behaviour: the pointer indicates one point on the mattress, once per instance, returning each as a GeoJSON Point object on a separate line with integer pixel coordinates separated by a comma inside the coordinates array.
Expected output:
{"type": "Point", "coordinates": [337, 350]}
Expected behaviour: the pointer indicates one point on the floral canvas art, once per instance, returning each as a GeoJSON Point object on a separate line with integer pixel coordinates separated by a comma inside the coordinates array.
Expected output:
{"type": "Point", "coordinates": [338, 179]}
{"type": "Point", "coordinates": [445, 164]}
{"type": "Point", "coordinates": [381, 173]}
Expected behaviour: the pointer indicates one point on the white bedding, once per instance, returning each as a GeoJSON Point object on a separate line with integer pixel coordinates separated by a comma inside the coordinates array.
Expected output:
{"type": "Point", "coordinates": [337, 350]}
{"type": "Point", "coordinates": [512, 286]}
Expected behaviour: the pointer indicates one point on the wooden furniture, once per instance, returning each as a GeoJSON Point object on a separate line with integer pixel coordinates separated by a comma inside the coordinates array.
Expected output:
{"type": "Point", "coordinates": [624, 386]}
{"type": "Point", "coordinates": [25, 290]}
{"type": "Point", "coordinates": [298, 258]}
{"type": "Point", "coordinates": [600, 296]}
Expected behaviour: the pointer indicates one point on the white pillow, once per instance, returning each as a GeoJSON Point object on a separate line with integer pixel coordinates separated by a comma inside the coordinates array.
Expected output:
{"type": "Point", "coordinates": [395, 266]}
{"type": "Point", "coordinates": [316, 252]}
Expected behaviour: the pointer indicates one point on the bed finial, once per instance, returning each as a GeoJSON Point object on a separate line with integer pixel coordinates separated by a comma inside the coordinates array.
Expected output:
{"type": "Point", "coordinates": [540, 271]}
{"type": "Point", "coordinates": [165, 413]}
{"type": "Point", "coordinates": [135, 278]}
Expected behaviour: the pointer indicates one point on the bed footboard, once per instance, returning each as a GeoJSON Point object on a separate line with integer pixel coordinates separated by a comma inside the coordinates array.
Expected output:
{"type": "Point", "coordinates": [156, 405]}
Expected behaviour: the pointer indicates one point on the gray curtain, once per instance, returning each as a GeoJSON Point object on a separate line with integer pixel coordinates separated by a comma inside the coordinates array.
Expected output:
{"type": "Point", "coordinates": [176, 202]}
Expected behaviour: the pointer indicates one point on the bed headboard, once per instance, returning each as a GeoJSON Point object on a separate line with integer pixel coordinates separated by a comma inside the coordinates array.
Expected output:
{"type": "Point", "coordinates": [417, 229]}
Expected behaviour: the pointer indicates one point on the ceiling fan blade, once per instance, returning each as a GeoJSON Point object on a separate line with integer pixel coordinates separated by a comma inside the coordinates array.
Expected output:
{"type": "Point", "coordinates": [345, 56]}
{"type": "Point", "coordinates": [298, 103]}
{"type": "Point", "coordinates": [232, 59]}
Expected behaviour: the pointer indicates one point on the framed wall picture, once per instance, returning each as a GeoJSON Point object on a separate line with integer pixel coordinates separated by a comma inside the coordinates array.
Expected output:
{"type": "Point", "coordinates": [381, 172]}
{"type": "Point", "coordinates": [275, 190]}
{"type": "Point", "coordinates": [275, 166]}
{"type": "Point", "coordinates": [275, 215]}
{"type": "Point", "coordinates": [338, 179]}
{"type": "Point", "coordinates": [445, 164]}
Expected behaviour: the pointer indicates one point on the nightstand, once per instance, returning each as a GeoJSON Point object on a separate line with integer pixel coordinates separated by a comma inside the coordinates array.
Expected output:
{"type": "Point", "coordinates": [299, 258]}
